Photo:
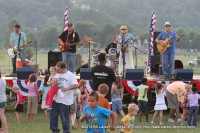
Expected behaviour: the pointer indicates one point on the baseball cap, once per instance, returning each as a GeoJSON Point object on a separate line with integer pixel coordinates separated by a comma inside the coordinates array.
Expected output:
{"type": "Point", "coordinates": [101, 57]}
{"type": "Point", "coordinates": [167, 23]}
{"type": "Point", "coordinates": [69, 24]}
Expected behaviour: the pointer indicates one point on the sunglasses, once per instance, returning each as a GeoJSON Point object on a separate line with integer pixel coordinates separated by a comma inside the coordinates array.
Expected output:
{"type": "Point", "coordinates": [167, 25]}
{"type": "Point", "coordinates": [123, 29]}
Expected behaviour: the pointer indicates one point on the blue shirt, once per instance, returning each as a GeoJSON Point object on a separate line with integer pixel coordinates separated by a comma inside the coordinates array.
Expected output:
{"type": "Point", "coordinates": [15, 38]}
{"type": "Point", "coordinates": [172, 35]}
{"type": "Point", "coordinates": [45, 89]}
{"type": "Point", "coordinates": [96, 119]}
{"type": "Point", "coordinates": [127, 39]}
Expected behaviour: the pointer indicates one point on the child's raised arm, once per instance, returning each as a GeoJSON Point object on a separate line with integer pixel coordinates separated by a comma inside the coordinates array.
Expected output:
{"type": "Point", "coordinates": [82, 118]}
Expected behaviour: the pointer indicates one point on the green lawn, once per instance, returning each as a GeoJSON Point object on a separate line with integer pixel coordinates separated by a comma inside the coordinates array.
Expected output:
{"type": "Point", "coordinates": [39, 125]}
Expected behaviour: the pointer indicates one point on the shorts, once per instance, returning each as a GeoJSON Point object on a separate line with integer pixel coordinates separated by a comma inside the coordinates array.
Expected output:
{"type": "Point", "coordinates": [19, 108]}
{"type": "Point", "coordinates": [3, 105]}
{"type": "Point", "coordinates": [116, 105]}
{"type": "Point", "coordinates": [172, 100]}
{"type": "Point", "coordinates": [32, 105]}
{"type": "Point", "coordinates": [143, 106]}
{"type": "Point", "coordinates": [73, 108]}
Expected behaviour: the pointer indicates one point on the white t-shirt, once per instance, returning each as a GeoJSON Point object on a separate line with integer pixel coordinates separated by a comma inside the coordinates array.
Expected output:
{"type": "Point", "coordinates": [64, 81]}
{"type": "Point", "coordinates": [2, 90]}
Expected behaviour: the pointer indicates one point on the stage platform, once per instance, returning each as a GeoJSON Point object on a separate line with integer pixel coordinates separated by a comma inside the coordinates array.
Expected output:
{"type": "Point", "coordinates": [129, 85]}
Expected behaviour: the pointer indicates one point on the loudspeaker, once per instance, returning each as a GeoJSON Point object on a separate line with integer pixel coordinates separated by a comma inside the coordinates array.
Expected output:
{"type": "Point", "coordinates": [85, 73]}
{"type": "Point", "coordinates": [155, 50]}
{"type": "Point", "coordinates": [24, 73]}
{"type": "Point", "coordinates": [53, 58]}
{"type": "Point", "coordinates": [183, 74]}
{"type": "Point", "coordinates": [134, 74]}
{"type": "Point", "coordinates": [155, 62]}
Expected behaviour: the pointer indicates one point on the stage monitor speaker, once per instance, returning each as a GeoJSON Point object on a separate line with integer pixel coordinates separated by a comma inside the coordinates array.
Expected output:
{"type": "Point", "coordinates": [155, 50]}
{"type": "Point", "coordinates": [53, 58]}
{"type": "Point", "coordinates": [24, 73]}
{"type": "Point", "coordinates": [183, 74]}
{"type": "Point", "coordinates": [155, 62]}
{"type": "Point", "coordinates": [85, 73]}
{"type": "Point", "coordinates": [134, 74]}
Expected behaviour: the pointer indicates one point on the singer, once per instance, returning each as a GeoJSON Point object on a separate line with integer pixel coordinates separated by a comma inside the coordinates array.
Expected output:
{"type": "Point", "coordinates": [125, 40]}
{"type": "Point", "coordinates": [68, 40]}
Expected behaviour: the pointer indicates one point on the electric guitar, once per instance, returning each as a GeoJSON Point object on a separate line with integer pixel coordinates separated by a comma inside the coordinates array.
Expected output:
{"type": "Point", "coordinates": [67, 45]}
{"type": "Point", "coordinates": [167, 42]}
{"type": "Point", "coordinates": [11, 52]}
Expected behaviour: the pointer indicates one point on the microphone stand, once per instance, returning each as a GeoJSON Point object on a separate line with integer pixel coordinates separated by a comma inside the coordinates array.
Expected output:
{"type": "Point", "coordinates": [136, 48]}
{"type": "Point", "coordinates": [89, 55]}
{"type": "Point", "coordinates": [36, 57]}
{"type": "Point", "coordinates": [123, 57]}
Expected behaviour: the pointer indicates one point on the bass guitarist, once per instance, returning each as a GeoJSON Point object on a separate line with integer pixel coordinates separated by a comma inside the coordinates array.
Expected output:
{"type": "Point", "coordinates": [69, 52]}
{"type": "Point", "coordinates": [168, 56]}
{"type": "Point", "coordinates": [17, 41]}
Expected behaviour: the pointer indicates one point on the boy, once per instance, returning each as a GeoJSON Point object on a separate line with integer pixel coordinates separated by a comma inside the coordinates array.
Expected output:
{"type": "Point", "coordinates": [103, 90]}
{"type": "Point", "coordinates": [128, 121]}
{"type": "Point", "coordinates": [96, 116]}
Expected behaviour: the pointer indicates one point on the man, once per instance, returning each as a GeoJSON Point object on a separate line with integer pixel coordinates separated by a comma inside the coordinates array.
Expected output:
{"type": "Point", "coordinates": [169, 55]}
{"type": "Point", "coordinates": [69, 52]}
{"type": "Point", "coordinates": [103, 74]}
{"type": "Point", "coordinates": [17, 41]}
{"type": "Point", "coordinates": [67, 82]}
{"type": "Point", "coordinates": [173, 91]}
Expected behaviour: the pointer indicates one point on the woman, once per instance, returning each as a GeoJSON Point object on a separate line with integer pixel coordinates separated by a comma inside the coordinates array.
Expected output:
{"type": "Point", "coordinates": [125, 40]}
{"type": "Point", "coordinates": [3, 104]}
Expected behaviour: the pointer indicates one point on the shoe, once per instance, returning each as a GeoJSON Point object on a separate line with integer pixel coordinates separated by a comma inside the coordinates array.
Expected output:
{"type": "Point", "coordinates": [152, 122]}
{"type": "Point", "coordinates": [179, 120]}
{"type": "Point", "coordinates": [73, 127]}
{"type": "Point", "coordinates": [171, 120]}
{"type": "Point", "coordinates": [161, 123]}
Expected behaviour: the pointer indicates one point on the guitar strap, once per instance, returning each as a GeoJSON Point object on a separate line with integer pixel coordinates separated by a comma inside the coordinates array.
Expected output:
{"type": "Point", "coordinates": [19, 40]}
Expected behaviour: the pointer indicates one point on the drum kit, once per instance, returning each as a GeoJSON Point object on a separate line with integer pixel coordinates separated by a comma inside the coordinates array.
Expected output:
{"type": "Point", "coordinates": [112, 58]}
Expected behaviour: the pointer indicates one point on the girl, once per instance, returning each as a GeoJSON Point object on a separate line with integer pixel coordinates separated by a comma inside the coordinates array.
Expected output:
{"type": "Point", "coordinates": [44, 90]}
{"type": "Point", "coordinates": [160, 102]}
{"type": "Point", "coordinates": [185, 103]}
{"type": "Point", "coordinates": [84, 94]}
{"type": "Point", "coordinates": [19, 103]}
{"type": "Point", "coordinates": [117, 93]}
{"type": "Point", "coordinates": [52, 71]}
{"type": "Point", "coordinates": [193, 106]}
{"type": "Point", "coordinates": [33, 97]}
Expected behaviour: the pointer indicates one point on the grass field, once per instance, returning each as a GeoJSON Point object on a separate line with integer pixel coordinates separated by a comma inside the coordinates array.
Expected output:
{"type": "Point", "coordinates": [39, 125]}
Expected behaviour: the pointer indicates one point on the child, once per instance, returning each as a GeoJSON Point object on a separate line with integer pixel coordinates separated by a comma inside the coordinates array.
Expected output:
{"type": "Point", "coordinates": [73, 107]}
{"type": "Point", "coordinates": [52, 71]}
{"type": "Point", "coordinates": [117, 93]}
{"type": "Point", "coordinates": [185, 103]}
{"type": "Point", "coordinates": [33, 97]}
{"type": "Point", "coordinates": [142, 99]}
{"type": "Point", "coordinates": [96, 116]}
{"type": "Point", "coordinates": [52, 92]}
{"type": "Point", "coordinates": [84, 94]}
{"type": "Point", "coordinates": [103, 90]}
{"type": "Point", "coordinates": [44, 90]}
{"type": "Point", "coordinates": [160, 102]}
{"type": "Point", "coordinates": [19, 104]}
{"type": "Point", "coordinates": [193, 106]}
{"type": "Point", "coordinates": [128, 121]}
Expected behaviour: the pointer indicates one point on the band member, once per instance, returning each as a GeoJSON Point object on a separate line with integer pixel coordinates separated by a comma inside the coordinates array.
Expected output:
{"type": "Point", "coordinates": [125, 40]}
{"type": "Point", "coordinates": [169, 55]}
{"type": "Point", "coordinates": [66, 39]}
{"type": "Point", "coordinates": [17, 41]}
{"type": "Point", "coordinates": [103, 74]}
{"type": "Point", "coordinates": [113, 44]}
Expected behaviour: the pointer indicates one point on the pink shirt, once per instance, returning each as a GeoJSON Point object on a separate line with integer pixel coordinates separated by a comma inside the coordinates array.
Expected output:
{"type": "Point", "coordinates": [31, 89]}
{"type": "Point", "coordinates": [20, 97]}
{"type": "Point", "coordinates": [177, 88]}
{"type": "Point", "coordinates": [193, 99]}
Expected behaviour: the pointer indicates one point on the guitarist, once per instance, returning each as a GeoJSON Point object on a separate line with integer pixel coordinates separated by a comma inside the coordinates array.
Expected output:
{"type": "Point", "coordinates": [67, 37]}
{"type": "Point", "coordinates": [18, 39]}
{"type": "Point", "coordinates": [169, 55]}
